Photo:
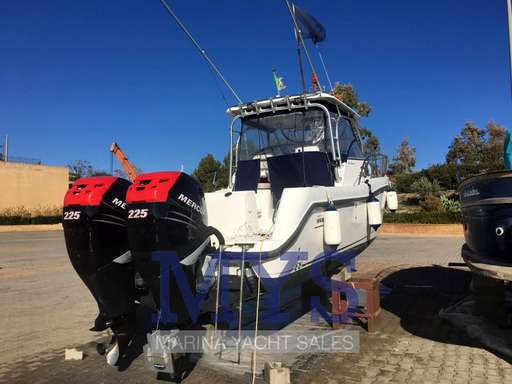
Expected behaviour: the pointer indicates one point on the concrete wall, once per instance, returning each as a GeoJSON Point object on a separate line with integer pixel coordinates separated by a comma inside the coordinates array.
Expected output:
{"type": "Point", "coordinates": [32, 186]}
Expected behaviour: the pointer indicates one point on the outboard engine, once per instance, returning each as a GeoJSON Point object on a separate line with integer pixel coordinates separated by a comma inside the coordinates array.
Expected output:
{"type": "Point", "coordinates": [167, 233]}
{"type": "Point", "coordinates": [487, 215]}
{"type": "Point", "coordinates": [96, 239]}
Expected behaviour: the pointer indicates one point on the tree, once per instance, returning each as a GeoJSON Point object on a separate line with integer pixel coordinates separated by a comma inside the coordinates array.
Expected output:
{"type": "Point", "coordinates": [347, 94]}
{"type": "Point", "coordinates": [405, 158]}
{"type": "Point", "coordinates": [79, 169]}
{"type": "Point", "coordinates": [208, 172]}
{"type": "Point", "coordinates": [445, 174]}
{"type": "Point", "coordinates": [120, 173]}
{"type": "Point", "coordinates": [493, 156]}
{"type": "Point", "coordinates": [99, 172]}
{"type": "Point", "coordinates": [467, 148]}
{"type": "Point", "coordinates": [83, 168]}
{"type": "Point", "coordinates": [223, 175]}
{"type": "Point", "coordinates": [371, 142]}
{"type": "Point", "coordinates": [476, 150]}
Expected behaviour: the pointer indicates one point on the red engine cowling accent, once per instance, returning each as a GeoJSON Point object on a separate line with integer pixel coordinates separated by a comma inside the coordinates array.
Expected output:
{"type": "Point", "coordinates": [88, 190]}
{"type": "Point", "coordinates": [151, 187]}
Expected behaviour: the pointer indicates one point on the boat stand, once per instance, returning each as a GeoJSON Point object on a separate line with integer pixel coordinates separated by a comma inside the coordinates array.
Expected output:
{"type": "Point", "coordinates": [489, 279]}
{"type": "Point", "coordinates": [368, 308]}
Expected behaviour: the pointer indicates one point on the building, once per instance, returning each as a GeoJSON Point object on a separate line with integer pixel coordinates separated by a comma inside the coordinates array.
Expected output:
{"type": "Point", "coordinates": [32, 186]}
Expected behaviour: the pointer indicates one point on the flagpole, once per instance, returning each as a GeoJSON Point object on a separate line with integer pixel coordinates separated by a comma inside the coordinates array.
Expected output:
{"type": "Point", "coordinates": [300, 40]}
{"type": "Point", "coordinates": [313, 70]}
{"type": "Point", "coordinates": [301, 66]}
{"type": "Point", "coordinates": [297, 41]}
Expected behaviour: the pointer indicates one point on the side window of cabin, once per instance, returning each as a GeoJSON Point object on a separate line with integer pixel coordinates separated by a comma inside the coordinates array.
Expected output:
{"type": "Point", "coordinates": [349, 145]}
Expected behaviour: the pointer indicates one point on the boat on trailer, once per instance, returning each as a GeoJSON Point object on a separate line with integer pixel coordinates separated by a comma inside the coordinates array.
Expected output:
{"type": "Point", "coordinates": [302, 202]}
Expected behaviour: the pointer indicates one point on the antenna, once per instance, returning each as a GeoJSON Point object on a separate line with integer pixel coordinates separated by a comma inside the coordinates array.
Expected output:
{"type": "Point", "coordinates": [300, 40]}
{"type": "Point", "coordinates": [200, 49]}
{"type": "Point", "coordinates": [323, 65]}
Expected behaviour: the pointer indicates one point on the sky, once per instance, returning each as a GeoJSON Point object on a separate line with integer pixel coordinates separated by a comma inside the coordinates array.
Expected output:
{"type": "Point", "coordinates": [77, 75]}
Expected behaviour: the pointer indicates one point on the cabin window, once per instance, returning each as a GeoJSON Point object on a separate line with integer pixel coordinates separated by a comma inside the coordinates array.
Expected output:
{"type": "Point", "coordinates": [349, 144]}
{"type": "Point", "coordinates": [282, 134]}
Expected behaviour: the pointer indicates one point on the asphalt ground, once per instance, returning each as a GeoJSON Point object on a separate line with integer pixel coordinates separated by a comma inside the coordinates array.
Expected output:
{"type": "Point", "coordinates": [45, 308]}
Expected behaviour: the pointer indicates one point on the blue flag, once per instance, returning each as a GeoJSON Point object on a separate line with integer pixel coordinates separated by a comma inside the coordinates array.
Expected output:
{"type": "Point", "coordinates": [309, 27]}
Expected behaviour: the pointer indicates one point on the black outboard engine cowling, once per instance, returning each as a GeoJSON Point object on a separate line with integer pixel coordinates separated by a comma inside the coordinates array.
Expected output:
{"type": "Point", "coordinates": [167, 233]}
{"type": "Point", "coordinates": [96, 239]}
{"type": "Point", "coordinates": [486, 201]}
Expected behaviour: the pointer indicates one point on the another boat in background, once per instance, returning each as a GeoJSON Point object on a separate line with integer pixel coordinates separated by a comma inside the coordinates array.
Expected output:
{"type": "Point", "coordinates": [487, 216]}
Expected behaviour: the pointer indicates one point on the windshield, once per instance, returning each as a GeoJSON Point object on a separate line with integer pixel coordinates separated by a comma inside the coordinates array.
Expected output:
{"type": "Point", "coordinates": [281, 134]}
{"type": "Point", "coordinates": [349, 144]}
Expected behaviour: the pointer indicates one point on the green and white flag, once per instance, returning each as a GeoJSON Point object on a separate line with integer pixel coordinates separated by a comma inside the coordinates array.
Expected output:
{"type": "Point", "coordinates": [278, 82]}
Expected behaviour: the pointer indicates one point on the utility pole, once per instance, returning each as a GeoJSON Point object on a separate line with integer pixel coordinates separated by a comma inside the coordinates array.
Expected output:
{"type": "Point", "coordinates": [111, 163]}
{"type": "Point", "coordinates": [510, 38]}
{"type": "Point", "coordinates": [6, 148]}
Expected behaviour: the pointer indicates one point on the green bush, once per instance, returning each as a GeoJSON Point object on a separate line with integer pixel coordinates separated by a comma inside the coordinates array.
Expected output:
{"type": "Point", "coordinates": [446, 175]}
{"type": "Point", "coordinates": [432, 203]}
{"type": "Point", "coordinates": [424, 188]}
{"type": "Point", "coordinates": [24, 220]}
{"type": "Point", "coordinates": [21, 215]}
{"type": "Point", "coordinates": [404, 181]}
{"type": "Point", "coordinates": [423, 217]}
{"type": "Point", "coordinates": [450, 205]}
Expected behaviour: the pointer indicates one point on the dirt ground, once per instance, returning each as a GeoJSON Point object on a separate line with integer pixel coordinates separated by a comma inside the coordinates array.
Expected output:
{"type": "Point", "coordinates": [45, 308]}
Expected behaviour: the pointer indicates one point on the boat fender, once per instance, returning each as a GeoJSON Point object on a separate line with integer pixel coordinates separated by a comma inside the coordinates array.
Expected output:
{"type": "Point", "coordinates": [373, 208]}
{"type": "Point", "coordinates": [374, 212]}
{"type": "Point", "coordinates": [383, 200]}
{"type": "Point", "coordinates": [392, 201]}
{"type": "Point", "coordinates": [332, 226]}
